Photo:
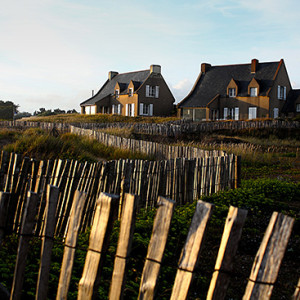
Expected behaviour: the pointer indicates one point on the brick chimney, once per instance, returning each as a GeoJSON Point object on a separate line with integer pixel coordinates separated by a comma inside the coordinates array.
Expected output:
{"type": "Point", "coordinates": [205, 67]}
{"type": "Point", "coordinates": [155, 69]}
{"type": "Point", "coordinates": [254, 65]}
{"type": "Point", "coordinates": [112, 74]}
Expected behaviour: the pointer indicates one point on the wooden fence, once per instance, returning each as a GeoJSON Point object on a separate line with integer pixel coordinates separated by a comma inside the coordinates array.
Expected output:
{"type": "Point", "coordinates": [180, 179]}
{"type": "Point", "coordinates": [261, 279]}
{"type": "Point", "coordinates": [157, 150]}
{"type": "Point", "coordinates": [169, 129]}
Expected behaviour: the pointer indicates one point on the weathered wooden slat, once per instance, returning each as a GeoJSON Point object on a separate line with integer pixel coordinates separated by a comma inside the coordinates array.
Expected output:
{"type": "Point", "coordinates": [4, 204]}
{"type": "Point", "coordinates": [47, 242]}
{"type": "Point", "coordinates": [124, 246]}
{"type": "Point", "coordinates": [156, 248]}
{"type": "Point", "coordinates": [70, 244]}
{"type": "Point", "coordinates": [228, 247]}
{"type": "Point", "coordinates": [106, 213]}
{"type": "Point", "coordinates": [268, 258]}
{"type": "Point", "coordinates": [296, 295]}
{"type": "Point", "coordinates": [191, 251]}
{"type": "Point", "coordinates": [26, 234]}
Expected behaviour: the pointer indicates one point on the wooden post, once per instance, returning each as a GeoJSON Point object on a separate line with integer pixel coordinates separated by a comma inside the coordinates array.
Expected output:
{"type": "Point", "coordinates": [156, 248]}
{"type": "Point", "coordinates": [70, 244]}
{"type": "Point", "coordinates": [229, 244]}
{"type": "Point", "coordinates": [4, 203]}
{"type": "Point", "coordinates": [106, 213]}
{"type": "Point", "coordinates": [191, 251]}
{"type": "Point", "coordinates": [268, 258]}
{"type": "Point", "coordinates": [47, 242]}
{"type": "Point", "coordinates": [237, 171]}
{"type": "Point", "coordinates": [26, 234]}
{"type": "Point", "coordinates": [296, 295]}
{"type": "Point", "coordinates": [124, 246]}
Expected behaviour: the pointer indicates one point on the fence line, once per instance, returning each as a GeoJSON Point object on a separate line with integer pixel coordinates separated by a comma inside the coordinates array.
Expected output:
{"type": "Point", "coordinates": [260, 283]}
{"type": "Point", "coordinates": [180, 179]}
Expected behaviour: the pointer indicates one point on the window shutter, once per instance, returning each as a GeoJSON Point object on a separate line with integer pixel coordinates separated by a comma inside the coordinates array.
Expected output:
{"type": "Point", "coordinates": [151, 110]}
{"type": "Point", "coordinates": [119, 109]}
{"type": "Point", "coordinates": [126, 111]}
{"type": "Point", "coordinates": [225, 113]}
{"type": "Point", "coordinates": [279, 97]}
{"type": "Point", "coordinates": [141, 109]}
{"type": "Point", "coordinates": [132, 109]}
{"type": "Point", "coordinates": [284, 93]}
{"type": "Point", "coordinates": [147, 90]}
{"type": "Point", "coordinates": [157, 91]}
{"type": "Point", "coordinates": [236, 113]}
{"type": "Point", "coordinates": [113, 109]}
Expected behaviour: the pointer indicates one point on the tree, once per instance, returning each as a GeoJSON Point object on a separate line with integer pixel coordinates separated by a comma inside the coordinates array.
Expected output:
{"type": "Point", "coordinates": [7, 110]}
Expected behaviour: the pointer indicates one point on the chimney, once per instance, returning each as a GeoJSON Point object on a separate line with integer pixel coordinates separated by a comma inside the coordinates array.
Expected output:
{"type": "Point", "coordinates": [205, 67]}
{"type": "Point", "coordinates": [254, 65]}
{"type": "Point", "coordinates": [155, 69]}
{"type": "Point", "coordinates": [112, 74]}
{"type": "Point", "coordinates": [92, 93]}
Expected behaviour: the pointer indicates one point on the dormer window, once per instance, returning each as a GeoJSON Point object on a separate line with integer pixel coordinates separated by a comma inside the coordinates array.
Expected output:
{"type": "Point", "coordinates": [130, 92]}
{"type": "Point", "coordinates": [282, 92]}
{"type": "Point", "coordinates": [117, 93]}
{"type": "Point", "coordinates": [253, 92]}
{"type": "Point", "coordinates": [231, 92]}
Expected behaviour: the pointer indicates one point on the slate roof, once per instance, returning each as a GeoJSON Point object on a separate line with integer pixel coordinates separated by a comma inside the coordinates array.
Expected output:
{"type": "Point", "coordinates": [217, 78]}
{"type": "Point", "coordinates": [123, 79]}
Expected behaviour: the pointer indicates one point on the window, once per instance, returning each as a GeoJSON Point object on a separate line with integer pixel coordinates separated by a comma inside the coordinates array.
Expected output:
{"type": "Point", "coordinates": [252, 112]}
{"type": "Point", "coordinates": [281, 92]}
{"type": "Point", "coordinates": [236, 113]}
{"type": "Point", "coordinates": [130, 92]}
{"type": "Point", "coordinates": [298, 107]}
{"type": "Point", "coordinates": [275, 111]}
{"type": "Point", "coordinates": [117, 93]}
{"type": "Point", "coordinates": [129, 110]}
{"type": "Point", "coordinates": [87, 110]}
{"type": "Point", "coordinates": [152, 91]}
{"type": "Point", "coordinates": [93, 110]}
{"type": "Point", "coordinates": [231, 92]}
{"type": "Point", "coordinates": [225, 113]}
{"type": "Point", "coordinates": [146, 109]}
{"type": "Point", "coordinates": [253, 92]}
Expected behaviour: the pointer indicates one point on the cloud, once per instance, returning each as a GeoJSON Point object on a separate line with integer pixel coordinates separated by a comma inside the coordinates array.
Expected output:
{"type": "Point", "coordinates": [181, 89]}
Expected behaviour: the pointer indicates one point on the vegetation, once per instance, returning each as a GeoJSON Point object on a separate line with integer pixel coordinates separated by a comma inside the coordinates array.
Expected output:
{"type": "Point", "coordinates": [259, 197]}
{"type": "Point", "coordinates": [7, 110]}
{"type": "Point", "coordinates": [38, 144]}
{"type": "Point", "coordinates": [48, 112]}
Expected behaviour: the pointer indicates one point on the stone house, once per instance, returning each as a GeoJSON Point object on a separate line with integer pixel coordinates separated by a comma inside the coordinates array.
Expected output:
{"type": "Point", "coordinates": [140, 93]}
{"type": "Point", "coordinates": [240, 92]}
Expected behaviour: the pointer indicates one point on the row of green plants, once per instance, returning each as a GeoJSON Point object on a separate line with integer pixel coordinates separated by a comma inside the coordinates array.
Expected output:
{"type": "Point", "coordinates": [259, 197]}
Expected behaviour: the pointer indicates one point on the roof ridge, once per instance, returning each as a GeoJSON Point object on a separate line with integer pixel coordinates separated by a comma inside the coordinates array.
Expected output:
{"type": "Point", "coordinates": [133, 72]}
{"type": "Point", "coordinates": [245, 64]}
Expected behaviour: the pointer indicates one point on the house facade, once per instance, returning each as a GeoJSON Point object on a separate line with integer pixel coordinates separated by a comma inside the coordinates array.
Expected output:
{"type": "Point", "coordinates": [240, 92]}
{"type": "Point", "coordinates": [140, 93]}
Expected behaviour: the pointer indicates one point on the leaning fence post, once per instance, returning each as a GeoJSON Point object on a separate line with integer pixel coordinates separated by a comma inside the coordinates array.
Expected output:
{"type": "Point", "coordinates": [191, 251]}
{"type": "Point", "coordinates": [124, 246]}
{"type": "Point", "coordinates": [47, 242]}
{"type": "Point", "coordinates": [4, 203]}
{"type": "Point", "coordinates": [156, 248]}
{"type": "Point", "coordinates": [105, 214]}
{"type": "Point", "coordinates": [296, 295]}
{"type": "Point", "coordinates": [231, 235]}
{"type": "Point", "coordinates": [26, 234]}
{"type": "Point", "coordinates": [70, 244]}
{"type": "Point", "coordinates": [268, 258]}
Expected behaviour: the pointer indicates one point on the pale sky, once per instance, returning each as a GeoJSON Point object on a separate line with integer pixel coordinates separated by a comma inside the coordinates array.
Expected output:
{"type": "Point", "coordinates": [55, 52]}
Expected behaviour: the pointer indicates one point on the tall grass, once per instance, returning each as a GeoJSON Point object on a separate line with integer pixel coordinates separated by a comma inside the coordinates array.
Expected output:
{"type": "Point", "coordinates": [40, 145]}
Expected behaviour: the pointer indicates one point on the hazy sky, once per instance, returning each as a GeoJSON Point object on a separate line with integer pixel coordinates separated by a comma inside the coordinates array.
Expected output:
{"type": "Point", "coordinates": [55, 52]}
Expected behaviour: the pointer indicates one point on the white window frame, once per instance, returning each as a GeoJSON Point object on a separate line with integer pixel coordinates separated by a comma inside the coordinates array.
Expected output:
{"type": "Point", "coordinates": [281, 92]}
{"type": "Point", "coordinates": [93, 109]}
{"type": "Point", "coordinates": [276, 112]}
{"type": "Point", "coordinates": [232, 92]}
{"type": "Point", "coordinates": [152, 91]}
{"type": "Point", "coordinates": [88, 110]}
{"type": "Point", "coordinates": [225, 113]}
{"type": "Point", "coordinates": [117, 93]}
{"type": "Point", "coordinates": [236, 113]}
{"type": "Point", "coordinates": [252, 113]}
{"type": "Point", "coordinates": [253, 92]}
{"type": "Point", "coordinates": [130, 92]}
